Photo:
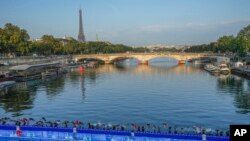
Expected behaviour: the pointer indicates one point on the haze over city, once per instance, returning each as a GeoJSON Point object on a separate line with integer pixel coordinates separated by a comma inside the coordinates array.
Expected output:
{"type": "Point", "coordinates": [132, 22]}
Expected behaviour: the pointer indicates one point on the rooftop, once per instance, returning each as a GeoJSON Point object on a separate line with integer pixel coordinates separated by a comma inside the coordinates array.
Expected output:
{"type": "Point", "coordinates": [25, 67]}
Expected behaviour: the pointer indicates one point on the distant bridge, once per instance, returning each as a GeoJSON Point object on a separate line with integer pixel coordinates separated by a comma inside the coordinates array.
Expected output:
{"type": "Point", "coordinates": [143, 58]}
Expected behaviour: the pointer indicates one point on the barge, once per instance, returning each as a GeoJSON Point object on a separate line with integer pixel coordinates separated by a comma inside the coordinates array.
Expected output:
{"type": "Point", "coordinates": [38, 71]}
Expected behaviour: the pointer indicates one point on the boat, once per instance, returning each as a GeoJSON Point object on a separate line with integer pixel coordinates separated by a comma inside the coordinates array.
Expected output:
{"type": "Point", "coordinates": [224, 69]}
{"type": "Point", "coordinates": [31, 72]}
{"type": "Point", "coordinates": [72, 64]}
{"type": "Point", "coordinates": [49, 73]}
{"type": "Point", "coordinates": [6, 80]}
{"type": "Point", "coordinates": [212, 68]}
{"type": "Point", "coordinates": [92, 64]}
{"type": "Point", "coordinates": [241, 69]}
{"type": "Point", "coordinates": [220, 69]}
{"type": "Point", "coordinates": [201, 62]}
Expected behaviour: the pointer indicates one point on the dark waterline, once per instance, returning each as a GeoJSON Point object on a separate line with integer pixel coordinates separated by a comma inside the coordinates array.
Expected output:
{"type": "Point", "coordinates": [182, 95]}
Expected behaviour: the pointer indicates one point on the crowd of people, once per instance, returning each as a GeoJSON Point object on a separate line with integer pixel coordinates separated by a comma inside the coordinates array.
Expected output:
{"type": "Point", "coordinates": [163, 128]}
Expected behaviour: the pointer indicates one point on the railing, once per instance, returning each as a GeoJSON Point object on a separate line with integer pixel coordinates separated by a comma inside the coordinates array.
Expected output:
{"type": "Point", "coordinates": [49, 133]}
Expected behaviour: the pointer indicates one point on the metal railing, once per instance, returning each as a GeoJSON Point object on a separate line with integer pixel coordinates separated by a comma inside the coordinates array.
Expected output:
{"type": "Point", "coordinates": [54, 134]}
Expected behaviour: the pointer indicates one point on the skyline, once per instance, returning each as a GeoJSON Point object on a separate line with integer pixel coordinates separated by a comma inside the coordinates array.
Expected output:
{"type": "Point", "coordinates": [131, 22]}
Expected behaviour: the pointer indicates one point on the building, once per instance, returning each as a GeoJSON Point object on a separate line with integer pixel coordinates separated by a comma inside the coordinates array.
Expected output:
{"type": "Point", "coordinates": [64, 40]}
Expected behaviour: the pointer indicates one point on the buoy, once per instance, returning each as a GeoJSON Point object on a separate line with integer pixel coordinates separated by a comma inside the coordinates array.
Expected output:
{"type": "Point", "coordinates": [81, 68]}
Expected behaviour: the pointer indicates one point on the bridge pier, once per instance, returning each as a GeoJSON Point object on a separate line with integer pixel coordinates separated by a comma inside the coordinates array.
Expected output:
{"type": "Point", "coordinates": [181, 61]}
{"type": "Point", "coordinates": [107, 62]}
{"type": "Point", "coordinates": [144, 62]}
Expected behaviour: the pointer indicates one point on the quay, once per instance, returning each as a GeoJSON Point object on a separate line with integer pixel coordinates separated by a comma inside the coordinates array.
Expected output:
{"type": "Point", "coordinates": [241, 69]}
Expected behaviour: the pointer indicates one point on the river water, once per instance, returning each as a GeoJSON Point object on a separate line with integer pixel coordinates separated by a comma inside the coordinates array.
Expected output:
{"type": "Point", "coordinates": [182, 95]}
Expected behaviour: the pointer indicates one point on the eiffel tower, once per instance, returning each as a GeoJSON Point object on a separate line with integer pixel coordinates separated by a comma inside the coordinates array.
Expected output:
{"type": "Point", "coordinates": [81, 37]}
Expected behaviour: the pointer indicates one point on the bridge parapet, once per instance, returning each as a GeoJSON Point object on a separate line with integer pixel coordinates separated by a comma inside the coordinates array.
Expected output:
{"type": "Point", "coordinates": [142, 57]}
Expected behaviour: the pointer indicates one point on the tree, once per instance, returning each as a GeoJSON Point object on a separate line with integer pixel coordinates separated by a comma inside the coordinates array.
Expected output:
{"type": "Point", "coordinates": [14, 39]}
{"type": "Point", "coordinates": [239, 44]}
{"type": "Point", "coordinates": [245, 31]}
{"type": "Point", "coordinates": [2, 49]}
{"type": "Point", "coordinates": [243, 45]}
{"type": "Point", "coordinates": [225, 43]}
{"type": "Point", "coordinates": [53, 45]}
{"type": "Point", "coordinates": [243, 41]}
{"type": "Point", "coordinates": [71, 47]}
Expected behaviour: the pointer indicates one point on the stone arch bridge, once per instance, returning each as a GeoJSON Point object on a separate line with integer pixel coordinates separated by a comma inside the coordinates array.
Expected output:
{"type": "Point", "coordinates": [143, 58]}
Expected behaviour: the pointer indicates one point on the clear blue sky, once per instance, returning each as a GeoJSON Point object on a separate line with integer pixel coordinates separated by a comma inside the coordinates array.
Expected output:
{"type": "Point", "coordinates": [132, 22]}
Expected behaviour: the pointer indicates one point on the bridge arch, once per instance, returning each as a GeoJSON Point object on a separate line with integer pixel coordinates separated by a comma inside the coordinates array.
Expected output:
{"type": "Point", "coordinates": [90, 59]}
{"type": "Point", "coordinates": [119, 59]}
{"type": "Point", "coordinates": [142, 57]}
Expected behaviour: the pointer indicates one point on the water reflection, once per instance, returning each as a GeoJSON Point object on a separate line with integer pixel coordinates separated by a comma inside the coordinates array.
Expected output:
{"type": "Point", "coordinates": [21, 96]}
{"type": "Point", "coordinates": [83, 89]}
{"type": "Point", "coordinates": [76, 77]}
{"type": "Point", "coordinates": [16, 100]}
{"type": "Point", "coordinates": [54, 87]}
{"type": "Point", "coordinates": [236, 86]}
{"type": "Point", "coordinates": [134, 93]}
{"type": "Point", "coordinates": [145, 69]}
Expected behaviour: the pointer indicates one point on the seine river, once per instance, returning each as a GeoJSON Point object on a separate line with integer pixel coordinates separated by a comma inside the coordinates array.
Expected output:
{"type": "Point", "coordinates": [182, 95]}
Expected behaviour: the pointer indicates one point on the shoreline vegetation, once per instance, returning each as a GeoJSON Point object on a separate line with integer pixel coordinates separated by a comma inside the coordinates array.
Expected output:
{"type": "Point", "coordinates": [15, 41]}
{"type": "Point", "coordinates": [238, 45]}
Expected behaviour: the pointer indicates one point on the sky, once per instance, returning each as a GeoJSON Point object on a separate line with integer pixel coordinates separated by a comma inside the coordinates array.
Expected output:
{"type": "Point", "coordinates": [131, 22]}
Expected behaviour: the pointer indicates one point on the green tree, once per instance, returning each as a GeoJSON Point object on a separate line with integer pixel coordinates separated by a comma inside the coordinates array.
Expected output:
{"type": "Point", "coordinates": [14, 39]}
{"type": "Point", "coordinates": [243, 41]}
{"type": "Point", "coordinates": [243, 45]}
{"type": "Point", "coordinates": [245, 31]}
{"type": "Point", "coordinates": [225, 43]}
{"type": "Point", "coordinates": [71, 47]}
{"type": "Point", "coordinates": [2, 48]}
{"type": "Point", "coordinates": [52, 44]}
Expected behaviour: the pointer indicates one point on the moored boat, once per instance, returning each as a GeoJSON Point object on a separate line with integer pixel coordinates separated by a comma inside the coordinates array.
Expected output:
{"type": "Point", "coordinates": [201, 62]}
{"type": "Point", "coordinates": [49, 73]}
{"type": "Point", "coordinates": [221, 69]}
{"type": "Point", "coordinates": [212, 68]}
{"type": "Point", "coordinates": [6, 80]}
{"type": "Point", "coordinates": [224, 69]}
{"type": "Point", "coordinates": [31, 72]}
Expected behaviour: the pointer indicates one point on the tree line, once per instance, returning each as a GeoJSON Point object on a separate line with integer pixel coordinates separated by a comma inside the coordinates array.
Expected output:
{"type": "Point", "coordinates": [238, 45]}
{"type": "Point", "coordinates": [16, 42]}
